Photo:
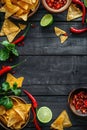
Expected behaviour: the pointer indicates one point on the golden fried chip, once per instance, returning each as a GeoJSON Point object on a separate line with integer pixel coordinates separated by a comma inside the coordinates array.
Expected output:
{"type": "Point", "coordinates": [20, 81]}
{"type": "Point", "coordinates": [62, 121]}
{"type": "Point", "coordinates": [2, 110]}
{"type": "Point", "coordinates": [73, 12]}
{"type": "Point", "coordinates": [24, 16]}
{"type": "Point", "coordinates": [9, 27]}
{"type": "Point", "coordinates": [22, 110]}
{"type": "Point", "coordinates": [61, 34]}
{"type": "Point", "coordinates": [3, 120]}
{"type": "Point", "coordinates": [2, 9]}
{"type": "Point", "coordinates": [58, 123]}
{"type": "Point", "coordinates": [11, 80]}
{"type": "Point", "coordinates": [63, 38]}
{"type": "Point", "coordinates": [2, 33]}
{"type": "Point", "coordinates": [11, 36]}
{"type": "Point", "coordinates": [59, 31]}
{"type": "Point", "coordinates": [34, 1]}
{"type": "Point", "coordinates": [27, 1]}
{"type": "Point", "coordinates": [13, 117]}
{"type": "Point", "coordinates": [22, 26]}
{"type": "Point", "coordinates": [67, 122]}
{"type": "Point", "coordinates": [33, 6]}
{"type": "Point", "coordinates": [23, 5]}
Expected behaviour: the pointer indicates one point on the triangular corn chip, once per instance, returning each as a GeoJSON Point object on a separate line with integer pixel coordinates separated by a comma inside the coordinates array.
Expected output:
{"type": "Point", "coordinates": [67, 122]}
{"type": "Point", "coordinates": [73, 12]}
{"type": "Point", "coordinates": [9, 27]}
{"type": "Point", "coordinates": [22, 26]}
{"type": "Point", "coordinates": [63, 38]}
{"type": "Point", "coordinates": [61, 122]}
{"type": "Point", "coordinates": [59, 31]}
{"type": "Point", "coordinates": [20, 81]}
{"type": "Point", "coordinates": [11, 36]}
{"type": "Point", "coordinates": [61, 34]}
{"type": "Point", "coordinates": [11, 80]}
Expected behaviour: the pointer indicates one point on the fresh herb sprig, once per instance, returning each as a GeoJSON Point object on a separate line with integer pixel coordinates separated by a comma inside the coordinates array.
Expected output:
{"type": "Point", "coordinates": [5, 100]}
{"type": "Point", "coordinates": [7, 50]}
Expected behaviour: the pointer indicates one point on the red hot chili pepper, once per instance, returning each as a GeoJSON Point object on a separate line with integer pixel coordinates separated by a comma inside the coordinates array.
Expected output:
{"type": "Point", "coordinates": [83, 8]}
{"type": "Point", "coordinates": [78, 31]}
{"type": "Point", "coordinates": [35, 120]}
{"type": "Point", "coordinates": [35, 104]}
{"type": "Point", "coordinates": [21, 38]}
{"type": "Point", "coordinates": [6, 69]}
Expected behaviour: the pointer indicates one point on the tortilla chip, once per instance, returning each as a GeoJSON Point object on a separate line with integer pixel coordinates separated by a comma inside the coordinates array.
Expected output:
{"type": "Point", "coordinates": [59, 31]}
{"type": "Point", "coordinates": [28, 1]}
{"type": "Point", "coordinates": [11, 80]}
{"type": "Point", "coordinates": [13, 117]}
{"type": "Point", "coordinates": [73, 12]}
{"type": "Point", "coordinates": [61, 34]}
{"type": "Point", "coordinates": [62, 121]}
{"type": "Point", "coordinates": [9, 27]}
{"type": "Point", "coordinates": [24, 16]}
{"type": "Point", "coordinates": [22, 26]}
{"type": "Point", "coordinates": [2, 33]}
{"type": "Point", "coordinates": [2, 110]}
{"type": "Point", "coordinates": [12, 36]}
{"type": "Point", "coordinates": [63, 38]}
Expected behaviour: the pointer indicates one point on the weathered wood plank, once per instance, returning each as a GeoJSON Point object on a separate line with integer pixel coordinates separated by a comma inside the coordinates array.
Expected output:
{"type": "Point", "coordinates": [52, 69]}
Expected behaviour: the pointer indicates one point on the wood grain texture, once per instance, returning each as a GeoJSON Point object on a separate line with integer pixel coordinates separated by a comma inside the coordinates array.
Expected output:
{"type": "Point", "coordinates": [52, 69]}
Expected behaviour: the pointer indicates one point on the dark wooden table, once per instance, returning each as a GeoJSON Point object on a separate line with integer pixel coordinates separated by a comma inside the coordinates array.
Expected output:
{"type": "Point", "coordinates": [52, 69]}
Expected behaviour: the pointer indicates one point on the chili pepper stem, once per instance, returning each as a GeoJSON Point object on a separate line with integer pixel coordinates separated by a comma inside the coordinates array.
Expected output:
{"type": "Point", "coordinates": [18, 64]}
{"type": "Point", "coordinates": [26, 30]}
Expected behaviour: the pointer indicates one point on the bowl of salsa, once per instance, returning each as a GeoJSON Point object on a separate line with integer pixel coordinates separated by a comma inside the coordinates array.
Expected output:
{"type": "Point", "coordinates": [78, 101]}
{"type": "Point", "coordinates": [56, 6]}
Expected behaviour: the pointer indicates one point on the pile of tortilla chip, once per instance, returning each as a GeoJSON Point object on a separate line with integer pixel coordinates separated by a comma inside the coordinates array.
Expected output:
{"type": "Point", "coordinates": [12, 80]}
{"type": "Point", "coordinates": [18, 8]}
{"type": "Point", "coordinates": [61, 34]}
{"type": "Point", "coordinates": [10, 30]}
{"type": "Point", "coordinates": [61, 122]}
{"type": "Point", "coordinates": [17, 116]}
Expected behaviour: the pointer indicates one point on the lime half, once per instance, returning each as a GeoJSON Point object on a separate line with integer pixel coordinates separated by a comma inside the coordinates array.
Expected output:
{"type": "Point", "coordinates": [44, 114]}
{"type": "Point", "coordinates": [46, 20]}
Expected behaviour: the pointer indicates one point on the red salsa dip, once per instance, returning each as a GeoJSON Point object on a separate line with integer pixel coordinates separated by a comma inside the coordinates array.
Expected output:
{"type": "Point", "coordinates": [80, 102]}
{"type": "Point", "coordinates": [56, 4]}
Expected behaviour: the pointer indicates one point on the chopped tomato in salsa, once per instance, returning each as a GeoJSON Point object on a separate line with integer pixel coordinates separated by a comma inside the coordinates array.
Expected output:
{"type": "Point", "coordinates": [80, 102]}
{"type": "Point", "coordinates": [56, 4]}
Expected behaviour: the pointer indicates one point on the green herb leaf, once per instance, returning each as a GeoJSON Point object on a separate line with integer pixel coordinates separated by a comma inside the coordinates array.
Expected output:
{"type": "Point", "coordinates": [4, 54]}
{"type": "Point", "coordinates": [8, 49]}
{"type": "Point", "coordinates": [6, 102]}
{"type": "Point", "coordinates": [15, 52]}
{"type": "Point", "coordinates": [5, 86]}
{"type": "Point", "coordinates": [85, 3]}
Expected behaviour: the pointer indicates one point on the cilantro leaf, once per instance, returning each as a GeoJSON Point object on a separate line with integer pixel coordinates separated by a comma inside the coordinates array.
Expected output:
{"type": "Point", "coordinates": [15, 52]}
{"type": "Point", "coordinates": [5, 86]}
{"type": "Point", "coordinates": [4, 54]}
{"type": "Point", "coordinates": [6, 102]}
{"type": "Point", "coordinates": [7, 50]}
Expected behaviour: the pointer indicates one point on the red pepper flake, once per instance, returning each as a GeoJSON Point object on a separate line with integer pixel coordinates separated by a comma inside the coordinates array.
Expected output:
{"type": "Point", "coordinates": [10, 59]}
{"type": "Point", "coordinates": [56, 4]}
{"type": "Point", "coordinates": [33, 25]}
{"type": "Point", "coordinates": [80, 102]}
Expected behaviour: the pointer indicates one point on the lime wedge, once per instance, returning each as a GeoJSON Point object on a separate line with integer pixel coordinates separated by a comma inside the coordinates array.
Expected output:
{"type": "Point", "coordinates": [44, 114]}
{"type": "Point", "coordinates": [46, 20]}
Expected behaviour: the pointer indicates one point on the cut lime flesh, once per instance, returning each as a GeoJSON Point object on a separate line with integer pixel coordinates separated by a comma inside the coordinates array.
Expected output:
{"type": "Point", "coordinates": [46, 20]}
{"type": "Point", "coordinates": [44, 114]}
